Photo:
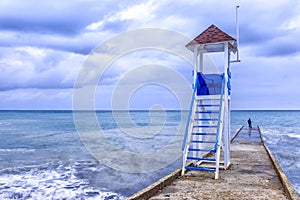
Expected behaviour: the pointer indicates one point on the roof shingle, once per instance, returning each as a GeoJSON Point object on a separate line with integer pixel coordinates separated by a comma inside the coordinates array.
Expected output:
{"type": "Point", "coordinates": [211, 35]}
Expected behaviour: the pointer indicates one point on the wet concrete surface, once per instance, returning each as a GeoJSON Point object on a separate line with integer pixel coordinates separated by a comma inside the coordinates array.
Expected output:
{"type": "Point", "coordinates": [248, 135]}
{"type": "Point", "coordinates": [251, 175]}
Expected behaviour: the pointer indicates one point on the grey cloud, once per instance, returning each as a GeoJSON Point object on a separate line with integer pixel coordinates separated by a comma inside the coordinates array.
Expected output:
{"type": "Point", "coordinates": [51, 17]}
{"type": "Point", "coordinates": [37, 68]}
{"type": "Point", "coordinates": [81, 44]}
{"type": "Point", "coordinates": [60, 26]}
{"type": "Point", "coordinates": [50, 81]}
{"type": "Point", "coordinates": [280, 48]}
{"type": "Point", "coordinates": [36, 99]}
{"type": "Point", "coordinates": [57, 25]}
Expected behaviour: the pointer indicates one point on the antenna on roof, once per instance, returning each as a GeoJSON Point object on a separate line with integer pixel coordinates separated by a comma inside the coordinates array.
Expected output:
{"type": "Point", "coordinates": [237, 33]}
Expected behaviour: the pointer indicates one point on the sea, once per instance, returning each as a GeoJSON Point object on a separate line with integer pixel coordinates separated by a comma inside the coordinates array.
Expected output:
{"type": "Point", "coordinates": [113, 154]}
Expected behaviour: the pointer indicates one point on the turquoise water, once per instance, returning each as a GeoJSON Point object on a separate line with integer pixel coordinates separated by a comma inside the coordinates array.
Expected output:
{"type": "Point", "coordinates": [43, 155]}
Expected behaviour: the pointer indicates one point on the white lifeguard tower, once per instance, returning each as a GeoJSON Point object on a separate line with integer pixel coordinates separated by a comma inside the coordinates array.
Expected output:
{"type": "Point", "coordinates": [208, 126]}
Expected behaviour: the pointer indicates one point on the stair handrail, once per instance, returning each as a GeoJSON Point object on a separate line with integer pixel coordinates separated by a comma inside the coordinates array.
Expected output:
{"type": "Point", "coordinates": [220, 110]}
{"type": "Point", "coordinates": [189, 115]}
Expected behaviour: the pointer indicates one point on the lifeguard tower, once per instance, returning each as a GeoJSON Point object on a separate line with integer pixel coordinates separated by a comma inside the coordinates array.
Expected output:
{"type": "Point", "coordinates": [206, 144]}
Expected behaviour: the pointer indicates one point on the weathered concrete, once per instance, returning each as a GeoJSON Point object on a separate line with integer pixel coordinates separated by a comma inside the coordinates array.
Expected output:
{"type": "Point", "coordinates": [253, 174]}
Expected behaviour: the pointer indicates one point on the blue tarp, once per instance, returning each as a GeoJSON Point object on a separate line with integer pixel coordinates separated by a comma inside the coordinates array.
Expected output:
{"type": "Point", "coordinates": [209, 84]}
{"type": "Point", "coordinates": [202, 88]}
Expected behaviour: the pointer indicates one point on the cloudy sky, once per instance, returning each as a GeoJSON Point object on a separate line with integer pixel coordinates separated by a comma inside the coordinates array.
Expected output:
{"type": "Point", "coordinates": [45, 44]}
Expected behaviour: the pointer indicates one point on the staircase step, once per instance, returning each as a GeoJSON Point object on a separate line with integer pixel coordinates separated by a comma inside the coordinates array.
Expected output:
{"type": "Point", "coordinates": [203, 159]}
{"type": "Point", "coordinates": [203, 142]}
{"type": "Point", "coordinates": [200, 169]}
{"type": "Point", "coordinates": [208, 105]}
{"type": "Point", "coordinates": [196, 119]}
{"type": "Point", "coordinates": [204, 133]}
{"type": "Point", "coordinates": [208, 98]}
{"type": "Point", "coordinates": [203, 150]}
{"type": "Point", "coordinates": [202, 126]}
{"type": "Point", "coordinates": [208, 111]}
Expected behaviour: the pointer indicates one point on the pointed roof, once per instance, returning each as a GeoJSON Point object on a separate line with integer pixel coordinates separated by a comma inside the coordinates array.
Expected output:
{"type": "Point", "coordinates": [211, 35]}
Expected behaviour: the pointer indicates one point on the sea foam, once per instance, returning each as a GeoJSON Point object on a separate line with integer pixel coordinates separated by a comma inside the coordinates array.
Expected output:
{"type": "Point", "coordinates": [49, 183]}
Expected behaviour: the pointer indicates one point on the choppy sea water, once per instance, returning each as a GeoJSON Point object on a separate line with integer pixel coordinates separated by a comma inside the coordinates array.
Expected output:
{"type": "Point", "coordinates": [42, 155]}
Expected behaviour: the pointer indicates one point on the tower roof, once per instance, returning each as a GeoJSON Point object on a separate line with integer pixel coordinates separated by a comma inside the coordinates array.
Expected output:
{"type": "Point", "coordinates": [211, 35]}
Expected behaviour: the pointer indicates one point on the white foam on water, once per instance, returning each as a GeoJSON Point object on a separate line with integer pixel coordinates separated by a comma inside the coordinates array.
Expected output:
{"type": "Point", "coordinates": [18, 150]}
{"type": "Point", "coordinates": [4, 123]}
{"type": "Point", "coordinates": [118, 150]}
{"type": "Point", "coordinates": [6, 126]}
{"type": "Point", "coordinates": [294, 135]}
{"type": "Point", "coordinates": [148, 140]}
{"type": "Point", "coordinates": [59, 183]}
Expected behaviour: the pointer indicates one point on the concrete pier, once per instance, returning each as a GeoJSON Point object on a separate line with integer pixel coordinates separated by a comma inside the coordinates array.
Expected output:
{"type": "Point", "coordinates": [253, 174]}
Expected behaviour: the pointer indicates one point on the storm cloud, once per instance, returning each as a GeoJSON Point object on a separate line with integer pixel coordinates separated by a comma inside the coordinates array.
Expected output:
{"type": "Point", "coordinates": [44, 43]}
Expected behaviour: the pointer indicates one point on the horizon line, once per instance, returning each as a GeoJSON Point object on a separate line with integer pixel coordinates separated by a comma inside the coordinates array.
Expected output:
{"type": "Point", "coordinates": [141, 110]}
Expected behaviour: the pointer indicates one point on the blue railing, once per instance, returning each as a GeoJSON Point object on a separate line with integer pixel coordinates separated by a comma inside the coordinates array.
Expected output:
{"type": "Point", "coordinates": [220, 110]}
{"type": "Point", "coordinates": [190, 114]}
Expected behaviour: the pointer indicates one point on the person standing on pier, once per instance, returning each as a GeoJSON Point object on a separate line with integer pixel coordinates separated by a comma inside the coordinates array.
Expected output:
{"type": "Point", "coordinates": [249, 123]}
